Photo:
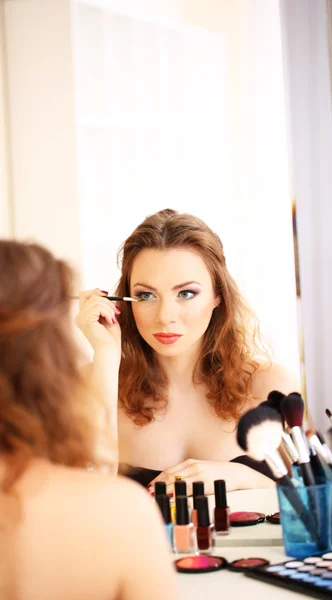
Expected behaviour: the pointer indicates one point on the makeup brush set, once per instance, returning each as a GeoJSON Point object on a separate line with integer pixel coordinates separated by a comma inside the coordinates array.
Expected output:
{"type": "Point", "coordinates": [301, 464]}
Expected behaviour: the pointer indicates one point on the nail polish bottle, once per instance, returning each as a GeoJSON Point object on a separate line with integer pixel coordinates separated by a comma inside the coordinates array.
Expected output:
{"type": "Point", "coordinates": [159, 488]}
{"type": "Point", "coordinates": [206, 535]}
{"type": "Point", "coordinates": [180, 488]}
{"type": "Point", "coordinates": [198, 490]}
{"type": "Point", "coordinates": [184, 531]}
{"type": "Point", "coordinates": [163, 501]}
{"type": "Point", "coordinates": [221, 511]}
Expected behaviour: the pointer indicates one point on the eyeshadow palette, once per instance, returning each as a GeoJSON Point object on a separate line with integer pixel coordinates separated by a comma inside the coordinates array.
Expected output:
{"type": "Point", "coordinates": [311, 576]}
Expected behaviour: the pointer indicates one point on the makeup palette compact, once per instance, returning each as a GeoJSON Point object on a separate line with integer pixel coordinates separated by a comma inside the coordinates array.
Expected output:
{"type": "Point", "coordinates": [200, 564]}
{"type": "Point", "coordinates": [244, 519]}
{"type": "Point", "coordinates": [311, 576]}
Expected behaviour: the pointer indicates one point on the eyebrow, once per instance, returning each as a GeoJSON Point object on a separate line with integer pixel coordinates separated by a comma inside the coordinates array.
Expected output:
{"type": "Point", "coordinates": [176, 287]}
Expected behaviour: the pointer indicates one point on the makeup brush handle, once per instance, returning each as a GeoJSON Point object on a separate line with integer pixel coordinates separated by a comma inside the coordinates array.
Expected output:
{"type": "Point", "coordinates": [307, 474]}
{"type": "Point", "coordinates": [317, 469]}
{"type": "Point", "coordinates": [302, 511]}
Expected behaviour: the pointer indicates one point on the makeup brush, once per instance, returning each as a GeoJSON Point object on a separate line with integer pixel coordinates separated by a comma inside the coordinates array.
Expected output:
{"type": "Point", "coordinates": [292, 408]}
{"type": "Point", "coordinates": [114, 298]}
{"type": "Point", "coordinates": [259, 433]}
{"type": "Point", "coordinates": [316, 464]}
{"type": "Point", "coordinates": [319, 447]}
{"type": "Point", "coordinates": [329, 414]}
{"type": "Point", "coordinates": [325, 446]}
{"type": "Point", "coordinates": [273, 401]}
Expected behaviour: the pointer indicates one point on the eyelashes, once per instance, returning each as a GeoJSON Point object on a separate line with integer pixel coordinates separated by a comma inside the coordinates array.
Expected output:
{"type": "Point", "coordinates": [183, 295]}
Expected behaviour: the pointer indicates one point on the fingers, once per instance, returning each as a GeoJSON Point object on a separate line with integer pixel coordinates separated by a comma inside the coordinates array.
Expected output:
{"type": "Point", "coordinates": [187, 470]}
{"type": "Point", "coordinates": [86, 294]}
{"type": "Point", "coordinates": [97, 309]}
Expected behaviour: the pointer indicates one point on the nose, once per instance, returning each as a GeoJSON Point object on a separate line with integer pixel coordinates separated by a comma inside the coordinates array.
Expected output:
{"type": "Point", "coordinates": [166, 312]}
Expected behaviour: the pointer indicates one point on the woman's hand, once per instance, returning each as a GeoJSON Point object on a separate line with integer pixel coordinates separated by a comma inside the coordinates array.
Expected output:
{"type": "Point", "coordinates": [97, 319]}
{"type": "Point", "coordinates": [237, 476]}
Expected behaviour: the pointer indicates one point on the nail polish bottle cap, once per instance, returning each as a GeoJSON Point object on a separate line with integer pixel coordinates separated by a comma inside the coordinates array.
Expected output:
{"type": "Point", "coordinates": [180, 488]}
{"type": "Point", "coordinates": [164, 505]}
{"type": "Point", "coordinates": [220, 493]}
{"type": "Point", "coordinates": [159, 488]}
{"type": "Point", "coordinates": [202, 506]}
{"type": "Point", "coordinates": [198, 490]}
{"type": "Point", "coordinates": [182, 513]}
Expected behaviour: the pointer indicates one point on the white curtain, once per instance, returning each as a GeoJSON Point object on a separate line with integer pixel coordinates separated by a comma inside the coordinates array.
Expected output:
{"type": "Point", "coordinates": [305, 29]}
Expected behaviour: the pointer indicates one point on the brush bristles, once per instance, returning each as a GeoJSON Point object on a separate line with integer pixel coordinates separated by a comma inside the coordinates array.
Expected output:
{"type": "Point", "coordinates": [292, 408]}
{"type": "Point", "coordinates": [254, 418]}
{"type": "Point", "coordinates": [274, 399]}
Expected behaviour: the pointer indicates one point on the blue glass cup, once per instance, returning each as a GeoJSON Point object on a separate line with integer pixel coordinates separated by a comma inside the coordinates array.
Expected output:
{"type": "Point", "coordinates": [306, 532]}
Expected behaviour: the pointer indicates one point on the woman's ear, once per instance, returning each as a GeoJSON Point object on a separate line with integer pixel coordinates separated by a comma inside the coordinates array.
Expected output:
{"type": "Point", "coordinates": [217, 301]}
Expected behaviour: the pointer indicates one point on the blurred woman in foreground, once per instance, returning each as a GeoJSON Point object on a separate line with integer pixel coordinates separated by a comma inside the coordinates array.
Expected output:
{"type": "Point", "coordinates": [67, 530]}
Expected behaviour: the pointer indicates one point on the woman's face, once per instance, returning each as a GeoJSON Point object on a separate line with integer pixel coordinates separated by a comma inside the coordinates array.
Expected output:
{"type": "Point", "coordinates": [176, 299]}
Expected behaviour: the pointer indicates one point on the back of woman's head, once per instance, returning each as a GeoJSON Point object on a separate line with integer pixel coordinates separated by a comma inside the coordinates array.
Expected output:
{"type": "Point", "coordinates": [40, 383]}
{"type": "Point", "coordinates": [230, 341]}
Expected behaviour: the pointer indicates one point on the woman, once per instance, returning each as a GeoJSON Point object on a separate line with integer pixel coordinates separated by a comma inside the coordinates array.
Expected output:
{"type": "Point", "coordinates": [65, 532]}
{"type": "Point", "coordinates": [187, 365]}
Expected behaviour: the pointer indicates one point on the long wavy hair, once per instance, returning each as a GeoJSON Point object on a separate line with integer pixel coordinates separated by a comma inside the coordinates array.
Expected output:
{"type": "Point", "coordinates": [45, 405]}
{"type": "Point", "coordinates": [227, 360]}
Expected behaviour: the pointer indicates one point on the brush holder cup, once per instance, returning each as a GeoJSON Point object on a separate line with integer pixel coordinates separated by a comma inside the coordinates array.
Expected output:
{"type": "Point", "coordinates": [305, 516]}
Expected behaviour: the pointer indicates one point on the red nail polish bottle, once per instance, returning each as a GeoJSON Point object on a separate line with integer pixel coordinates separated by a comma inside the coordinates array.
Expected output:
{"type": "Point", "coordinates": [198, 490]}
{"type": "Point", "coordinates": [221, 511]}
{"type": "Point", "coordinates": [206, 536]}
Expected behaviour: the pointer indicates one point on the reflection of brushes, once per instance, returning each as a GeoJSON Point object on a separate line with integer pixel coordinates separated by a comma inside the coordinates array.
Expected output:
{"type": "Point", "coordinates": [329, 414]}
{"type": "Point", "coordinates": [319, 447]}
{"type": "Point", "coordinates": [325, 446]}
{"type": "Point", "coordinates": [259, 434]}
{"type": "Point", "coordinates": [292, 408]}
{"type": "Point", "coordinates": [113, 298]}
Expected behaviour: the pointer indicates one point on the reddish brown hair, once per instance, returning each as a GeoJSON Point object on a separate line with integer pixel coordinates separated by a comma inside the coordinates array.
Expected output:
{"type": "Point", "coordinates": [227, 361]}
{"type": "Point", "coordinates": [42, 391]}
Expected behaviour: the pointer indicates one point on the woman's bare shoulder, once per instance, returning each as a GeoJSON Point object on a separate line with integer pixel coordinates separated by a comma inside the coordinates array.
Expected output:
{"type": "Point", "coordinates": [272, 376]}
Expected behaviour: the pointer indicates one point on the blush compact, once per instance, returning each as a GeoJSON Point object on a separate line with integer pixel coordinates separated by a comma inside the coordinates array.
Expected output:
{"type": "Point", "coordinates": [200, 564]}
{"type": "Point", "coordinates": [243, 564]}
{"type": "Point", "coordinates": [244, 519]}
{"type": "Point", "coordinates": [274, 519]}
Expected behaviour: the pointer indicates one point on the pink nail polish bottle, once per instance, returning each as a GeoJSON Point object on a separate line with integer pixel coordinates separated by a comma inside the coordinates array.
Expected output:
{"type": "Point", "coordinates": [184, 532]}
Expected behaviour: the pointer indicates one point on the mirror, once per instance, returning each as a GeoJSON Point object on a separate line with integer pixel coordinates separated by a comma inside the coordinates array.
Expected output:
{"type": "Point", "coordinates": [131, 109]}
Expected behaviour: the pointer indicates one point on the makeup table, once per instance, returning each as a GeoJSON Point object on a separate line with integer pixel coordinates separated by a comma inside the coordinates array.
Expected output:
{"type": "Point", "coordinates": [263, 540]}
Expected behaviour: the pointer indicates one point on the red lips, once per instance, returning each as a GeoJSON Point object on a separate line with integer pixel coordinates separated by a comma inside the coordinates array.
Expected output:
{"type": "Point", "coordinates": [167, 338]}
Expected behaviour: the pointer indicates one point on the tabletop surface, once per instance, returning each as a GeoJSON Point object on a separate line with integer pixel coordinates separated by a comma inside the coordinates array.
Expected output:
{"type": "Point", "coordinates": [222, 584]}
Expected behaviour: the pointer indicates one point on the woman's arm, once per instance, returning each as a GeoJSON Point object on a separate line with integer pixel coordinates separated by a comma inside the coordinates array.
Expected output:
{"type": "Point", "coordinates": [97, 319]}
{"type": "Point", "coordinates": [236, 475]}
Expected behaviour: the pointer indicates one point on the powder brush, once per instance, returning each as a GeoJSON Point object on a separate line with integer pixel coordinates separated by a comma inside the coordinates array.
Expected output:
{"type": "Point", "coordinates": [259, 434]}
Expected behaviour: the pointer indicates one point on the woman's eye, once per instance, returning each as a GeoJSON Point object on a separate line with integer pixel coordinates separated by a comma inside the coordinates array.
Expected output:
{"type": "Point", "coordinates": [143, 296]}
{"type": "Point", "coordinates": [187, 294]}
